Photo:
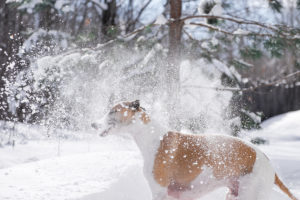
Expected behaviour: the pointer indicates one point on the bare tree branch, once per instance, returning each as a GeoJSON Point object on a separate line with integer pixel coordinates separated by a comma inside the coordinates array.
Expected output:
{"type": "Point", "coordinates": [243, 89]}
{"type": "Point", "coordinates": [133, 23]}
{"type": "Point", "coordinates": [98, 4]}
{"type": "Point", "coordinates": [230, 33]}
{"type": "Point", "coordinates": [275, 28]}
{"type": "Point", "coordinates": [142, 10]}
{"type": "Point", "coordinates": [238, 21]}
{"type": "Point", "coordinates": [189, 35]}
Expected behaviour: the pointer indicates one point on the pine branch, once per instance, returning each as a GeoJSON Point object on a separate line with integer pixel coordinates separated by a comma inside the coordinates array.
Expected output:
{"type": "Point", "coordinates": [275, 5]}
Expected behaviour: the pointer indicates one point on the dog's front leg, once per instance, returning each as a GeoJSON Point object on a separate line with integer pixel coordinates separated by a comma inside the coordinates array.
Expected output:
{"type": "Point", "coordinates": [233, 189]}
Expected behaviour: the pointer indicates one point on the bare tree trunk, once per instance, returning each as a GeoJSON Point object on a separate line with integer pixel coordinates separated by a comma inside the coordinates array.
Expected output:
{"type": "Point", "coordinates": [173, 76]}
{"type": "Point", "coordinates": [108, 18]}
{"type": "Point", "coordinates": [175, 30]}
{"type": "Point", "coordinates": [9, 44]}
{"type": "Point", "coordinates": [81, 24]}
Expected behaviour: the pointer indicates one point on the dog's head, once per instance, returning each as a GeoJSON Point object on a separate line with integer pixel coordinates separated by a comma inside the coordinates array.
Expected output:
{"type": "Point", "coordinates": [122, 114]}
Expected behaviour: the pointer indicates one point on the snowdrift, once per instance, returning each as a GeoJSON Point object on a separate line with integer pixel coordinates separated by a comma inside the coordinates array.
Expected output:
{"type": "Point", "coordinates": [111, 168]}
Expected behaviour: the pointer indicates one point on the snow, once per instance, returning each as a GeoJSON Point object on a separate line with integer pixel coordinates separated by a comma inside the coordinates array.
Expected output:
{"type": "Point", "coordinates": [83, 170]}
{"type": "Point", "coordinates": [64, 5]}
{"type": "Point", "coordinates": [235, 73]}
{"type": "Point", "coordinates": [283, 135]}
{"type": "Point", "coordinates": [29, 5]}
{"type": "Point", "coordinates": [222, 67]}
{"type": "Point", "coordinates": [241, 32]}
{"type": "Point", "coordinates": [255, 117]}
{"type": "Point", "coordinates": [111, 168]}
{"type": "Point", "coordinates": [194, 78]}
{"type": "Point", "coordinates": [13, 1]}
{"type": "Point", "coordinates": [59, 40]}
{"type": "Point", "coordinates": [161, 20]}
{"type": "Point", "coordinates": [285, 127]}
{"type": "Point", "coordinates": [217, 10]}
{"type": "Point", "coordinates": [244, 63]}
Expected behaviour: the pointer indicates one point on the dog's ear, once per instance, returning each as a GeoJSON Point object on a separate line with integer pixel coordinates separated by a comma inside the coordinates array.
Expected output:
{"type": "Point", "coordinates": [135, 105]}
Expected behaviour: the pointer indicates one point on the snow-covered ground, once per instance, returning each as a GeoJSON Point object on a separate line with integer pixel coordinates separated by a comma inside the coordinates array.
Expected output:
{"type": "Point", "coordinates": [111, 168]}
{"type": "Point", "coordinates": [282, 133]}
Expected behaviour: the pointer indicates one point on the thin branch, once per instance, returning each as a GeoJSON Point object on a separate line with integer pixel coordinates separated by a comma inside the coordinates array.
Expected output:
{"type": "Point", "coordinates": [142, 10]}
{"type": "Point", "coordinates": [230, 33]}
{"type": "Point", "coordinates": [274, 28]}
{"type": "Point", "coordinates": [139, 14]}
{"type": "Point", "coordinates": [243, 89]}
{"type": "Point", "coordinates": [238, 21]}
{"type": "Point", "coordinates": [217, 28]}
{"type": "Point", "coordinates": [189, 35]}
{"type": "Point", "coordinates": [283, 78]}
{"type": "Point", "coordinates": [292, 74]}
{"type": "Point", "coordinates": [214, 27]}
{"type": "Point", "coordinates": [83, 19]}
{"type": "Point", "coordinates": [98, 4]}
{"type": "Point", "coordinates": [213, 88]}
{"type": "Point", "coordinates": [100, 46]}
{"type": "Point", "coordinates": [137, 31]}
{"type": "Point", "coordinates": [125, 36]}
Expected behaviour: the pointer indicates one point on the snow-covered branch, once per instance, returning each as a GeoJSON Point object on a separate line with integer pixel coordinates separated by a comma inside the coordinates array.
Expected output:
{"type": "Point", "coordinates": [236, 20]}
{"type": "Point", "coordinates": [276, 29]}
{"type": "Point", "coordinates": [234, 33]}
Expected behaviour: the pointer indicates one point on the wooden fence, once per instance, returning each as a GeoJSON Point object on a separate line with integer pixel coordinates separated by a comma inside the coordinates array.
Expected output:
{"type": "Point", "coordinates": [273, 99]}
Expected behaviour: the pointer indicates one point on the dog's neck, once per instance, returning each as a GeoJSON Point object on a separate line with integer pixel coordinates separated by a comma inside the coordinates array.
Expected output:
{"type": "Point", "coordinates": [147, 134]}
{"type": "Point", "coordinates": [147, 137]}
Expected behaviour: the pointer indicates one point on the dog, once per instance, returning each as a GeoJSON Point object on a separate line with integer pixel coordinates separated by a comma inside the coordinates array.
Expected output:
{"type": "Point", "coordinates": [187, 166]}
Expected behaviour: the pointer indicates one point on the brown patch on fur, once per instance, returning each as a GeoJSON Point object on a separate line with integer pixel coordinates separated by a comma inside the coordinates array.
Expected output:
{"type": "Point", "coordinates": [181, 158]}
{"type": "Point", "coordinates": [124, 113]}
{"type": "Point", "coordinates": [144, 117]}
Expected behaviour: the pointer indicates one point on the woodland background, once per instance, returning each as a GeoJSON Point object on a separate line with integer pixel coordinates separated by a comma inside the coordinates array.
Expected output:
{"type": "Point", "coordinates": [53, 54]}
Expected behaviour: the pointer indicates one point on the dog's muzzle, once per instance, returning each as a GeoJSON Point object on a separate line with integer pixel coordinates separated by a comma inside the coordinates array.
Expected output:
{"type": "Point", "coordinates": [104, 126]}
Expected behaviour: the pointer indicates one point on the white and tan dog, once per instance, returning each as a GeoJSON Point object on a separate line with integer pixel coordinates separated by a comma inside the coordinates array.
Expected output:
{"type": "Point", "coordinates": [185, 167]}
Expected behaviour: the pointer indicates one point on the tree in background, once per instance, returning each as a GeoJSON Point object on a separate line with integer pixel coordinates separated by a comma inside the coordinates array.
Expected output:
{"type": "Point", "coordinates": [174, 54]}
{"type": "Point", "coordinates": [228, 35]}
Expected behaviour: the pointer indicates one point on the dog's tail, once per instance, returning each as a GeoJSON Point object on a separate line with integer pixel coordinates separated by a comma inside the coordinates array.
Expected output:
{"type": "Point", "coordinates": [279, 183]}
